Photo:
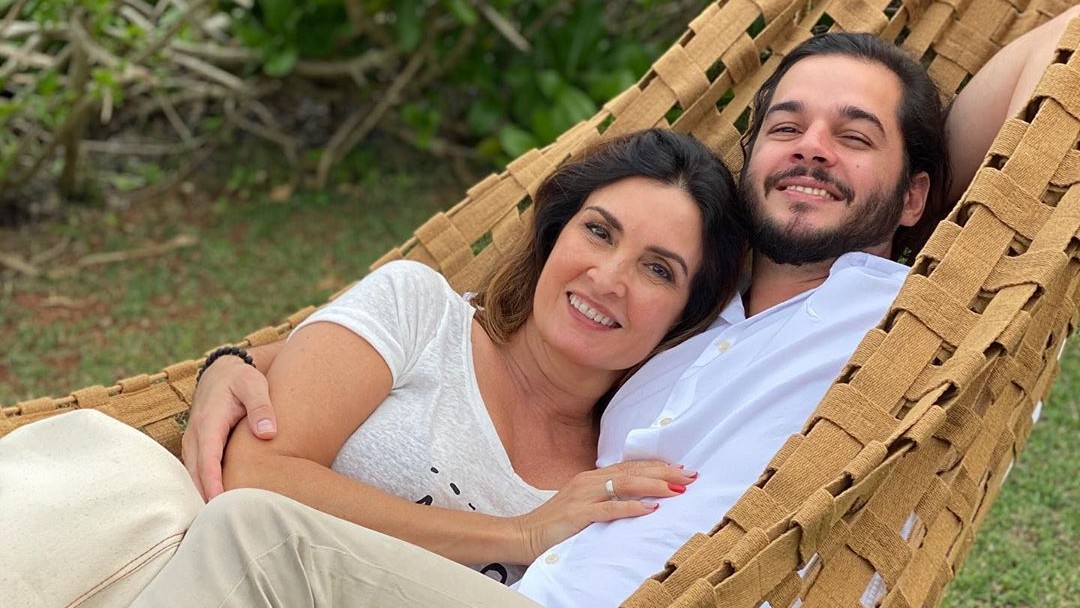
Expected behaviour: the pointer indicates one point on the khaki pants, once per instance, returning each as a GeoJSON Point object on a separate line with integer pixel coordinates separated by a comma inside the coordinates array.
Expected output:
{"type": "Point", "coordinates": [256, 548]}
{"type": "Point", "coordinates": [92, 512]}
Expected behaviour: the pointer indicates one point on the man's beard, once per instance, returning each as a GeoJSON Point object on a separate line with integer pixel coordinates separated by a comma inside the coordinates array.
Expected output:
{"type": "Point", "coordinates": [870, 223]}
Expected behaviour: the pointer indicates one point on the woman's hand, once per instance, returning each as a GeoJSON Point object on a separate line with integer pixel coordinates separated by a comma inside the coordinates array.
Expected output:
{"type": "Point", "coordinates": [228, 391]}
{"type": "Point", "coordinates": [588, 498]}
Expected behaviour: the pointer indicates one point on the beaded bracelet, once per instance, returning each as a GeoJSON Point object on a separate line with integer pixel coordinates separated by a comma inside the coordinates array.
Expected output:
{"type": "Point", "coordinates": [221, 352]}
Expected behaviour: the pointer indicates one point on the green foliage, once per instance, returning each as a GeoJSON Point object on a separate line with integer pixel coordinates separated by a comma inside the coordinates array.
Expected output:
{"type": "Point", "coordinates": [424, 120]}
{"type": "Point", "coordinates": [500, 76]}
{"type": "Point", "coordinates": [487, 92]}
{"type": "Point", "coordinates": [43, 97]}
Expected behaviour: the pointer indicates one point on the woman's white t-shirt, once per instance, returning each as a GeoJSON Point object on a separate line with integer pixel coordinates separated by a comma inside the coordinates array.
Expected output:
{"type": "Point", "coordinates": [431, 441]}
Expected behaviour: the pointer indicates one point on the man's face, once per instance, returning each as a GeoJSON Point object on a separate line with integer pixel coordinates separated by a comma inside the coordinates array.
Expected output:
{"type": "Point", "coordinates": [826, 174]}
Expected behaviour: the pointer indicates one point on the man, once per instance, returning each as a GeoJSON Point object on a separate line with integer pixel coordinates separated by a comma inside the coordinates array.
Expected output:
{"type": "Point", "coordinates": [846, 167]}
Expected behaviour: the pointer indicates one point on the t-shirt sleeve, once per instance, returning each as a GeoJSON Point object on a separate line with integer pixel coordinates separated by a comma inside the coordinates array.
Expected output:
{"type": "Point", "coordinates": [398, 309]}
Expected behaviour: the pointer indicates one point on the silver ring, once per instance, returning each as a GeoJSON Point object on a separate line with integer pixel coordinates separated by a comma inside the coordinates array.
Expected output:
{"type": "Point", "coordinates": [609, 488]}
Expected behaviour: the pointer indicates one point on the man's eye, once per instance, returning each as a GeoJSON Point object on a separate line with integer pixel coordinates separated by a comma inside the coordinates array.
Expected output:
{"type": "Point", "coordinates": [786, 129]}
{"type": "Point", "coordinates": [598, 230]}
{"type": "Point", "coordinates": [858, 139]}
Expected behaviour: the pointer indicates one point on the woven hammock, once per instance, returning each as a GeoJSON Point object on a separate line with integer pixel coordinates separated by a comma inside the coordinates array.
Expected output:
{"type": "Point", "coordinates": [878, 497]}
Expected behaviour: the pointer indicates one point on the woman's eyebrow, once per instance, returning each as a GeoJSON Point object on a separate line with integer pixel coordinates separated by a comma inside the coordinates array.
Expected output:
{"type": "Point", "coordinates": [671, 255]}
{"type": "Point", "coordinates": [611, 219]}
{"type": "Point", "coordinates": [617, 227]}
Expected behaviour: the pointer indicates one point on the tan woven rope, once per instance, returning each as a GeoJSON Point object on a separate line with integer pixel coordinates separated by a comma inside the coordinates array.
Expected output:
{"type": "Point", "coordinates": [886, 484]}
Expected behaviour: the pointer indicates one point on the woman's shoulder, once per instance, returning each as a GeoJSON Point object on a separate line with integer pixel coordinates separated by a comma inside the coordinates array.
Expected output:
{"type": "Point", "coordinates": [397, 285]}
{"type": "Point", "coordinates": [415, 275]}
{"type": "Point", "coordinates": [412, 286]}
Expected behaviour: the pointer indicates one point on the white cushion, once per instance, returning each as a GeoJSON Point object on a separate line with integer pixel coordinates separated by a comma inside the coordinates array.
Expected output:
{"type": "Point", "coordinates": [90, 510]}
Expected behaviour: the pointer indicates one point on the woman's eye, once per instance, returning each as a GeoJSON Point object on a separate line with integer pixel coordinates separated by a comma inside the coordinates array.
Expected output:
{"type": "Point", "coordinates": [661, 271]}
{"type": "Point", "coordinates": [597, 230]}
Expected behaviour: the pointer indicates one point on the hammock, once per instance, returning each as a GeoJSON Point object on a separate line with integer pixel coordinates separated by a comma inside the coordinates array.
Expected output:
{"type": "Point", "coordinates": [879, 495]}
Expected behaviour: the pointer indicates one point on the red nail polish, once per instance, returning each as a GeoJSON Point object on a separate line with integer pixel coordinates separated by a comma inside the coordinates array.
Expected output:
{"type": "Point", "coordinates": [678, 489]}
{"type": "Point", "coordinates": [691, 474]}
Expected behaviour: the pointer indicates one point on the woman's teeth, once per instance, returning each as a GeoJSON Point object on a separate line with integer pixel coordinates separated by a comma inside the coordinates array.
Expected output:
{"type": "Point", "coordinates": [586, 310]}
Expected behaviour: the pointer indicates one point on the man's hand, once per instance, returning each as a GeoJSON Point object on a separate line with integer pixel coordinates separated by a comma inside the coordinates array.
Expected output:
{"type": "Point", "coordinates": [228, 391]}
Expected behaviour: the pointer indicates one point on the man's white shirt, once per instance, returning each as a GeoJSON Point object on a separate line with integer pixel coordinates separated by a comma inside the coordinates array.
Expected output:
{"type": "Point", "coordinates": [722, 404]}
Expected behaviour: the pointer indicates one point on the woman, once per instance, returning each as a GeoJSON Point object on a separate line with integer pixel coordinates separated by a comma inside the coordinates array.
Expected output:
{"type": "Point", "coordinates": [633, 248]}
{"type": "Point", "coordinates": [408, 410]}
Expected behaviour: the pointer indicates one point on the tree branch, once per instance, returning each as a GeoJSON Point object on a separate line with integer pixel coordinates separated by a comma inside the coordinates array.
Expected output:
{"type": "Point", "coordinates": [10, 16]}
{"type": "Point", "coordinates": [360, 122]}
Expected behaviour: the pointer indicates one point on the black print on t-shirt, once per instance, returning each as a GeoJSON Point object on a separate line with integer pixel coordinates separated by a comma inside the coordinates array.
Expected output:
{"type": "Point", "coordinates": [428, 499]}
{"type": "Point", "coordinates": [496, 571]}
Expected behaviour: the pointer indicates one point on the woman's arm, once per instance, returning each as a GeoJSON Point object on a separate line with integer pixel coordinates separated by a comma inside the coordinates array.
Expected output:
{"type": "Point", "coordinates": [324, 384]}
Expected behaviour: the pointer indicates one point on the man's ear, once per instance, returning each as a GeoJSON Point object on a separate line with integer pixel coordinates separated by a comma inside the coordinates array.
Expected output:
{"type": "Point", "coordinates": [915, 199]}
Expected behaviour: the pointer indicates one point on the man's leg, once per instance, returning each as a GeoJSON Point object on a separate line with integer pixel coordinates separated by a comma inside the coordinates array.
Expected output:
{"type": "Point", "coordinates": [995, 93]}
{"type": "Point", "coordinates": [254, 548]}
{"type": "Point", "coordinates": [90, 510]}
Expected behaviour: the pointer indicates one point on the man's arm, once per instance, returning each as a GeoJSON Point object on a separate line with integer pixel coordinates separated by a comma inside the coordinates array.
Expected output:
{"type": "Point", "coordinates": [228, 391]}
{"type": "Point", "coordinates": [995, 93]}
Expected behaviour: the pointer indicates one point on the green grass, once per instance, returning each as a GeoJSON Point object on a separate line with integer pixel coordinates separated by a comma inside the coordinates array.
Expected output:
{"type": "Point", "coordinates": [255, 263]}
{"type": "Point", "coordinates": [258, 261]}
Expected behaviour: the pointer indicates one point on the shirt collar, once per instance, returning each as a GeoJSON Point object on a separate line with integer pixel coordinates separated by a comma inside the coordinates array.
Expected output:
{"type": "Point", "coordinates": [734, 312]}
{"type": "Point", "coordinates": [866, 260]}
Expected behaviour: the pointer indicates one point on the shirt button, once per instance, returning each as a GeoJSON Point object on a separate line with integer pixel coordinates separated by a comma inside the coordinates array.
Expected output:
{"type": "Point", "coordinates": [723, 346]}
{"type": "Point", "coordinates": [665, 421]}
{"type": "Point", "coordinates": [552, 558]}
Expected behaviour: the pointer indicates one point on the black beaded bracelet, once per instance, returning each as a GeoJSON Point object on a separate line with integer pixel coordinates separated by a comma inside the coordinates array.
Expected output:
{"type": "Point", "coordinates": [235, 351]}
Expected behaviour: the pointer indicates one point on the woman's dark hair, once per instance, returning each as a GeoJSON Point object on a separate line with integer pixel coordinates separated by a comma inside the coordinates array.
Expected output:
{"type": "Point", "coordinates": [664, 156]}
{"type": "Point", "coordinates": [921, 118]}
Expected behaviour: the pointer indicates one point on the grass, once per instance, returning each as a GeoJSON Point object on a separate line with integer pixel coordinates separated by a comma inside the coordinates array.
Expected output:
{"type": "Point", "coordinates": [258, 261]}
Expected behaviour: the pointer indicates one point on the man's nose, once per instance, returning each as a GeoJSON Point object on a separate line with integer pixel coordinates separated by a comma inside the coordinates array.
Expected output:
{"type": "Point", "coordinates": [815, 147]}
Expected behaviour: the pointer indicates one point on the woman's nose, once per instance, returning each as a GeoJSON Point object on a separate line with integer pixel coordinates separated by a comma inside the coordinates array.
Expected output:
{"type": "Point", "coordinates": [609, 275]}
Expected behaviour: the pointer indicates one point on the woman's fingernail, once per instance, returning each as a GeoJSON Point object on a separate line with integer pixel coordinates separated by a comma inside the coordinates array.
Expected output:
{"type": "Point", "coordinates": [690, 474]}
{"type": "Point", "coordinates": [678, 489]}
{"type": "Point", "coordinates": [265, 426]}
{"type": "Point", "coordinates": [650, 504]}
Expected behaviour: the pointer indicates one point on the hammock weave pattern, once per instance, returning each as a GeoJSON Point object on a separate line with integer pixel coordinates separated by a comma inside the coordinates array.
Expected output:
{"type": "Point", "coordinates": [877, 499]}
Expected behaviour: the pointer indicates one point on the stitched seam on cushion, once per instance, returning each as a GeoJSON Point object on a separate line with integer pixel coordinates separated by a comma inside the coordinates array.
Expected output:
{"type": "Point", "coordinates": [130, 568]}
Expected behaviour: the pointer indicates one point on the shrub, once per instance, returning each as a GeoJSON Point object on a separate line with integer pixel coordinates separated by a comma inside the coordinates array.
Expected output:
{"type": "Point", "coordinates": [493, 77]}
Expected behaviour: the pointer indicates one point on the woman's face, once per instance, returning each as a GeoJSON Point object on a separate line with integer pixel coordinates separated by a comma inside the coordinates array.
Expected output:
{"type": "Point", "coordinates": [619, 275]}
